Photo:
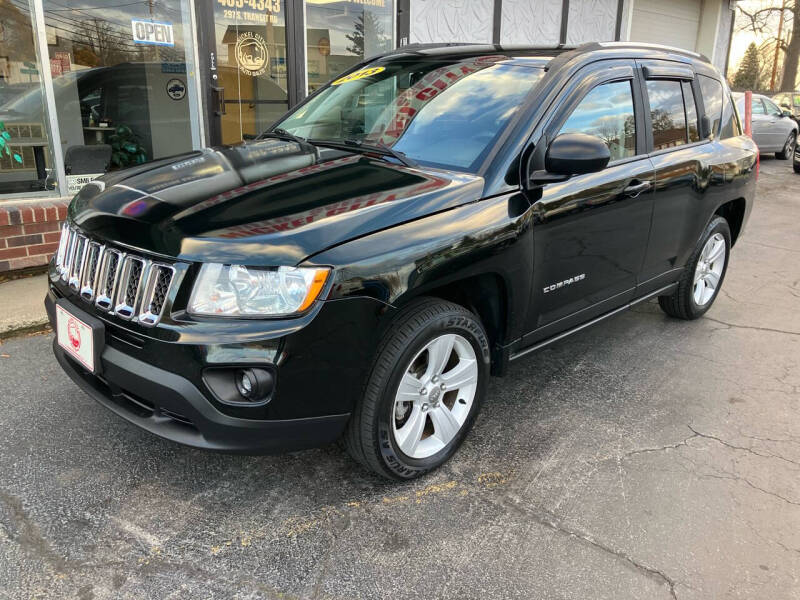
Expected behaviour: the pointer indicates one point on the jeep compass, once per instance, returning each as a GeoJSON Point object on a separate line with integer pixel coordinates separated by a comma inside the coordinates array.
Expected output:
{"type": "Point", "coordinates": [360, 271]}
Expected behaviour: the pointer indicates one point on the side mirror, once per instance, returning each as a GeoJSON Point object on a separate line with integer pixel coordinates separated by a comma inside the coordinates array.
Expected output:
{"type": "Point", "coordinates": [576, 154]}
{"type": "Point", "coordinates": [787, 112]}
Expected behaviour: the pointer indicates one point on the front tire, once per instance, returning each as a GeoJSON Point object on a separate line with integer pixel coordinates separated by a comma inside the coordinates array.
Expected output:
{"type": "Point", "coordinates": [427, 384]}
{"type": "Point", "coordinates": [788, 147]}
{"type": "Point", "coordinates": [702, 279]}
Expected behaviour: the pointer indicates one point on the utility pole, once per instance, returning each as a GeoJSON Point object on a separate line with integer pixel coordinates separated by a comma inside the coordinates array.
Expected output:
{"type": "Point", "coordinates": [777, 49]}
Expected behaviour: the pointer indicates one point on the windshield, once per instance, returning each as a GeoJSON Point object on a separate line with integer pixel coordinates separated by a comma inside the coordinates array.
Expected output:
{"type": "Point", "coordinates": [443, 113]}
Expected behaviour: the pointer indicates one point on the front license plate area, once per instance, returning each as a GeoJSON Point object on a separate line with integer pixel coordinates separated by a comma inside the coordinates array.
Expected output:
{"type": "Point", "coordinates": [80, 335]}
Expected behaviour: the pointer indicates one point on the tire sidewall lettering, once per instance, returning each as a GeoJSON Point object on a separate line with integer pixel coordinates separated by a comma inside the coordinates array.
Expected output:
{"type": "Point", "coordinates": [391, 457]}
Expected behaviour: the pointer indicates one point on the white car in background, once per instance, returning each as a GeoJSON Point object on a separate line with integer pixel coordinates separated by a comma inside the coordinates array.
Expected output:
{"type": "Point", "coordinates": [774, 130]}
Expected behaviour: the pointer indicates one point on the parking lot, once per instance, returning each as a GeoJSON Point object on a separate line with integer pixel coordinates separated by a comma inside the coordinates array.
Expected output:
{"type": "Point", "coordinates": [642, 458]}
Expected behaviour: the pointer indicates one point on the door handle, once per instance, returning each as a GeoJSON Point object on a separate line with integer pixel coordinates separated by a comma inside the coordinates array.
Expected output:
{"type": "Point", "coordinates": [220, 92]}
{"type": "Point", "coordinates": [636, 187]}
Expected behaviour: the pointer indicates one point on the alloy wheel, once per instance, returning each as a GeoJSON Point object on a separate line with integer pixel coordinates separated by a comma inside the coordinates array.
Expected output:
{"type": "Point", "coordinates": [435, 396]}
{"type": "Point", "coordinates": [708, 272]}
{"type": "Point", "coordinates": [789, 147]}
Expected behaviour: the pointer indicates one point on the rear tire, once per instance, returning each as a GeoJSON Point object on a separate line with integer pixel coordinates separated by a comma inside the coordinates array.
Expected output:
{"type": "Point", "coordinates": [788, 147]}
{"type": "Point", "coordinates": [702, 278]}
{"type": "Point", "coordinates": [796, 168]}
{"type": "Point", "coordinates": [413, 417]}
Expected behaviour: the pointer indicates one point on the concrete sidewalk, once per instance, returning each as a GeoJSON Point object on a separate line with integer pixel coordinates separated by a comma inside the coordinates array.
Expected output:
{"type": "Point", "coordinates": [22, 305]}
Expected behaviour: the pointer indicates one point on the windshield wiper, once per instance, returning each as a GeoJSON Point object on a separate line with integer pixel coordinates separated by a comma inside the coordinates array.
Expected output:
{"type": "Point", "coordinates": [380, 149]}
{"type": "Point", "coordinates": [282, 134]}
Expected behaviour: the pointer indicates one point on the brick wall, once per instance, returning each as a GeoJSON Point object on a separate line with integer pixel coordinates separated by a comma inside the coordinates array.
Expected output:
{"type": "Point", "coordinates": [29, 233]}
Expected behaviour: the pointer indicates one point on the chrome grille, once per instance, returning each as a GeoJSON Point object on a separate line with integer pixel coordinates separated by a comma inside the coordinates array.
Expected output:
{"type": "Point", "coordinates": [109, 270]}
{"type": "Point", "coordinates": [76, 268]}
{"type": "Point", "coordinates": [130, 280]}
{"type": "Point", "coordinates": [118, 282]}
{"type": "Point", "coordinates": [90, 268]}
{"type": "Point", "coordinates": [155, 291]}
{"type": "Point", "coordinates": [69, 255]}
{"type": "Point", "coordinates": [62, 247]}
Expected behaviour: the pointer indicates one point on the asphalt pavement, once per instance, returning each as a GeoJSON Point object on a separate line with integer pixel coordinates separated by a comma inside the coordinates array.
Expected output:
{"type": "Point", "coordinates": [642, 458]}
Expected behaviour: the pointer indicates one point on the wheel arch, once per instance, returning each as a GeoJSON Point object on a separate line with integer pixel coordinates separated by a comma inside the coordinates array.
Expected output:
{"type": "Point", "coordinates": [486, 295]}
{"type": "Point", "coordinates": [733, 212]}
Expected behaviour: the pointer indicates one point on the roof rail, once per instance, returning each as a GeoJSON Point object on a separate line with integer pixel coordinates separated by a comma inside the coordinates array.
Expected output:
{"type": "Point", "coordinates": [651, 46]}
{"type": "Point", "coordinates": [416, 46]}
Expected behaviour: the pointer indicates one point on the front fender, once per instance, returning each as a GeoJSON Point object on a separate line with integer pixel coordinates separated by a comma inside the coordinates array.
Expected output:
{"type": "Point", "coordinates": [398, 264]}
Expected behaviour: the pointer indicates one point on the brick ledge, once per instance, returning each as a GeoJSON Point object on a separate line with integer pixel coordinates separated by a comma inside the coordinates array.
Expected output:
{"type": "Point", "coordinates": [29, 231]}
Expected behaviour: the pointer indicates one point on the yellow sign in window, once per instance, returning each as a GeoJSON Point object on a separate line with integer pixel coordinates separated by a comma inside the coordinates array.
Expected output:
{"type": "Point", "coordinates": [360, 74]}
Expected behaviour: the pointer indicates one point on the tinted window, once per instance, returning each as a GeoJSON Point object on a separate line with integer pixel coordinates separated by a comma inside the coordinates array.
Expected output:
{"type": "Point", "coordinates": [691, 112]}
{"type": "Point", "coordinates": [758, 107]}
{"type": "Point", "coordinates": [711, 90]}
{"type": "Point", "coordinates": [666, 113]}
{"type": "Point", "coordinates": [730, 120]}
{"type": "Point", "coordinates": [607, 112]}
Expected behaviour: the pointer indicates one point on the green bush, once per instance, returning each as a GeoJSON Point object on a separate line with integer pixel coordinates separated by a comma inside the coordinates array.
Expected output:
{"type": "Point", "coordinates": [125, 148]}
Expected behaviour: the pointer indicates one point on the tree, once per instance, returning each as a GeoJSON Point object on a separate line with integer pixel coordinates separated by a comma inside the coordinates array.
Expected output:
{"type": "Point", "coordinates": [103, 43]}
{"type": "Point", "coordinates": [747, 77]}
{"type": "Point", "coordinates": [367, 27]}
{"type": "Point", "coordinates": [763, 21]}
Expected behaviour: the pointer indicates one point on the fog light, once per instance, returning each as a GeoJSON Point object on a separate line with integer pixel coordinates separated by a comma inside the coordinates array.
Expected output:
{"type": "Point", "coordinates": [253, 384]}
{"type": "Point", "coordinates": [245, 384]}
{"type": "Point", "coordinates": [240, 386]}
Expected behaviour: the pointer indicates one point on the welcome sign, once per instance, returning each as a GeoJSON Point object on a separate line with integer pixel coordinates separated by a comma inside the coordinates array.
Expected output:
{"type": "Point", "coordinates": [152, 32]}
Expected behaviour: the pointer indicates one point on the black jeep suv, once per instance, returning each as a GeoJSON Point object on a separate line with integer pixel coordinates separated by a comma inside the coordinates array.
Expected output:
{"type": "Point", "coordinates": [360, 270]}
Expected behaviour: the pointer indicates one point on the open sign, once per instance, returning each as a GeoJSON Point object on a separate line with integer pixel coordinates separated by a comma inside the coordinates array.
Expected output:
{"type": "Point", "coordinates": [152, 32]}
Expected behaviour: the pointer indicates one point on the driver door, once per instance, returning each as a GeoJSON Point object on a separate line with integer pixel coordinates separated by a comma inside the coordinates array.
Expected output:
{"type": "Point", "coordinates": [591, 231]}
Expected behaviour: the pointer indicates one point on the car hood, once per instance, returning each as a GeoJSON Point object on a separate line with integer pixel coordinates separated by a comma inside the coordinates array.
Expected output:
{"type": "Point", "coordinates": [262, 203]}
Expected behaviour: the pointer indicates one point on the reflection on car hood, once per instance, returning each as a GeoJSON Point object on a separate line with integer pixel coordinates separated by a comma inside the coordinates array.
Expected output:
{"type": "Point", "coordinates": [262, 203]}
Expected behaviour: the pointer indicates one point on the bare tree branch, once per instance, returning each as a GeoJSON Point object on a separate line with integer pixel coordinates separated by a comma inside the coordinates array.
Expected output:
{"type": "Point", "coordinates": [759, 20]}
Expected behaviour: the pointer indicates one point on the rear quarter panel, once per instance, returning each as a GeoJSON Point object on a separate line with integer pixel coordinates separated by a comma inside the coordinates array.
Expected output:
{"type": "Point", "coordinates": [691, 184]}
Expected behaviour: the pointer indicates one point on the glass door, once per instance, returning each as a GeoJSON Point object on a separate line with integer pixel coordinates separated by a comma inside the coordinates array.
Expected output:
{"type": "Point", "coordinates": [342, 33]}
{"type": "Point", "coordinates": [246, 55]}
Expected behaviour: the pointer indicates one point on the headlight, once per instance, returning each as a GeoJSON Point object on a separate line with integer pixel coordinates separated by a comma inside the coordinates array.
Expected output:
{"type": "Point", "coordinates": [234, 290]}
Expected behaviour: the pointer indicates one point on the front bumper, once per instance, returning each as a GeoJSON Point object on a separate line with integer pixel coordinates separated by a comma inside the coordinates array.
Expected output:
{"type": "Point", "coordinates": [171, 406]}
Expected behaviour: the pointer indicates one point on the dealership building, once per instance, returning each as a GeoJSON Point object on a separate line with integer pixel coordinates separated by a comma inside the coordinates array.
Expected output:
{"type": "Point", "coordinates": [88, 86]}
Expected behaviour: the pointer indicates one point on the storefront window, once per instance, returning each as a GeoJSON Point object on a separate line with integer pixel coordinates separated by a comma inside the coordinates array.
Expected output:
{"type": "Point", "coordinates": [25, 154]}
{"type": "Point", "coordinates": [342, 34]}
{"type": "Point", "coordinates": [122, 83]}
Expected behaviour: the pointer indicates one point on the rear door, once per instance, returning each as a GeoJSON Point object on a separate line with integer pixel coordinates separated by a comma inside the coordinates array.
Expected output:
{"type": "Point", "coordinates": [682, 162]}
{"type": "Point", "coordinates": [693, 175]}
{"type": "Point", "coordinates": [779, 126]}
{"type": "Point", "coordinates": [762, 126]}
{"type": "Point", "coordinates": [591, 231]}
